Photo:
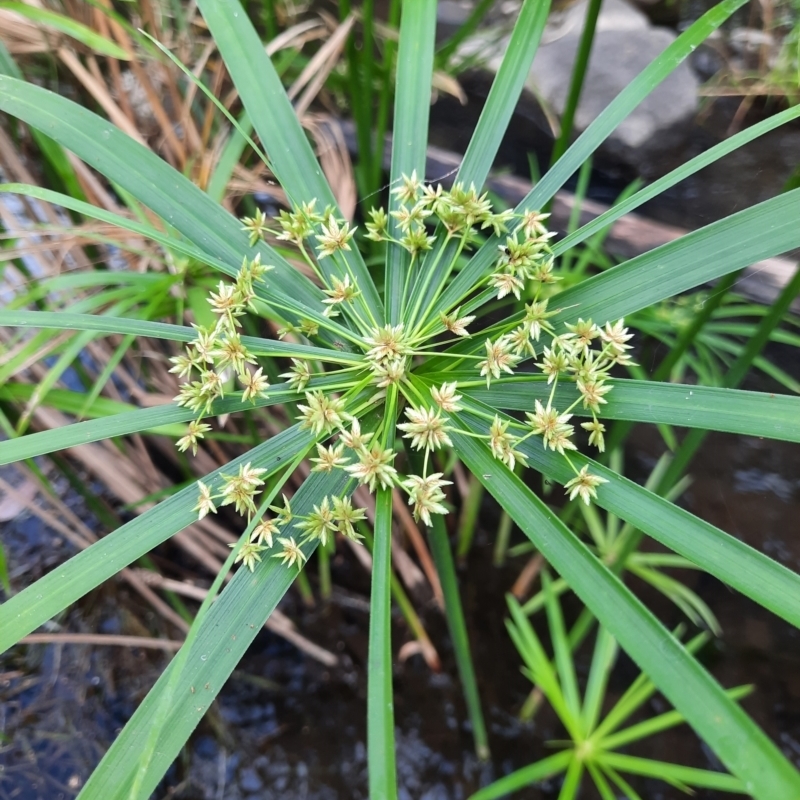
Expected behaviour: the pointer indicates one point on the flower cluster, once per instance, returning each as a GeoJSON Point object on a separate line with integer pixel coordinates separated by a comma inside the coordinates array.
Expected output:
{"type": "Point", "coordinates": [337, 397]}
{"type": "Point", "coordinates": [217, 354]}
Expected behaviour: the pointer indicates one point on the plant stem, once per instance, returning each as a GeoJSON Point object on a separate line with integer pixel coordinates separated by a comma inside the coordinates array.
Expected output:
{"type": "Point", "coordinates": [324, 565]}
{"type": "Point", "coordinates": [380, 705]}
{"type": "Point", "coordinates": [445, 567]}
{"type": "Point", "coordinates": [576, 81]}
{"type": "Point", "coordinates": [469, 517]}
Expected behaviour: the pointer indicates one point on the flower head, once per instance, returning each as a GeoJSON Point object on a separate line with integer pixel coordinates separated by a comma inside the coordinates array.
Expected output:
{"type": "Point", "coordinates": [426, 495]}
{"type": "Point", "coordinates": [426, 428]}
{"type": "Point", "coordinates": [353, 438]}
{"type": "Point", "coordinates": [499, 358]}
{"type": "Point", "coordinates": [374, 467]}
{"type": "Point", "coordinates": [204, 504]}
{"type": "Point", "coordinates": [584, 484]}
{"type": "Point", "coordinates": [387, 343]}
{"type": "Point", "coordinates": [552, 427]}
{"type": "Point", "coordinates": [346, 517]}
{"type": "Point", "coordinates": [320, 523]}
{"type": "Point", "coordinates": [264, 531]}
{"type": "Point", "coordinates": [298, 376]}
{"type": "Point", "coordinates": [335, 236]}
{"type": "Point", "coordinates": [446, 398]}
{"type": "Point", "coordinates": [195, 430]}
{"type": "Point", "coordinates": [249, 554]}
{"type": "Point", "coordinates": [342, 291]}
{"type": "Point", "coordinates": [596, 430]}
{"type": "Point", "coordinates": [240, 489]}
{"type": "Point", "coordinates": [455, 324]}
{"type": "Point", "coordinates": [290, 552]}
{"type": "Point", "coordinates": [322, 414]}
{"type": "Point", "coordinates": [255, 385]}
{"type": "Point", "coordinates": [409, 188]}
{"type": "Point", "coordinates": [501, 443]}
{"type": "Point", "coordinates": [328, 458]}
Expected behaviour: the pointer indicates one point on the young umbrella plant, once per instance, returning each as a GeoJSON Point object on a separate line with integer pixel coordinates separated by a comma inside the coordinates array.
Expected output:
{"type": "Point", "coordinates": [390, 368]}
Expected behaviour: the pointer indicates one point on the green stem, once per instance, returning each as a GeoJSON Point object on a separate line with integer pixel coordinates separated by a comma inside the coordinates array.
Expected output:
{"type": "Point", "coordinates": [380, 705]}
{"type": "Point", "coordinates": [324, 564]}
{"type": "Point", "coordinates": [443, 559]}
{"type": "Point", "coordinates": [503, 537]}
{"type": "Point", "coordinates": [576, 81]}
{"type": "Point", "coordinates": [469, 517]}
{"type": "Point", "coordinates": [304, 587]}
{"type": "Point", "coordinates": [385, 99]}
{"type": "Point", "coordinates": [419, 291]}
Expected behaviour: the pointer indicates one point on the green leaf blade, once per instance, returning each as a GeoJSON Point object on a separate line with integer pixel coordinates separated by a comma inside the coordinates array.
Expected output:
{"type": "Point", "coordinates": [410, 134]}
{"type": "Point", "coordinates": [37, 603]}
{"type": "Point", "coordinates": [739, 743]}
{"type": "Point", "coordinates": [165, 191]}
{"type": "Point", "coordinates": [728, 410]}
{"type": "Point", "coordinates": [270, 110]}
{"type": "Point", "coordinates": [380, 704]}
{"type": "Point", "coordinates": [239, 613]}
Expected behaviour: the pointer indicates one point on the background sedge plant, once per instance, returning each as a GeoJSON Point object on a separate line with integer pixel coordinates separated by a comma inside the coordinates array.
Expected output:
{"type": "Point", "coordinates": [391, 367]}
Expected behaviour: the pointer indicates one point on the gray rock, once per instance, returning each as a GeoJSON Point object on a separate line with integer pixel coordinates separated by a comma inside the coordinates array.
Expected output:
{"type": "Point", "coordinates": [624, 45]}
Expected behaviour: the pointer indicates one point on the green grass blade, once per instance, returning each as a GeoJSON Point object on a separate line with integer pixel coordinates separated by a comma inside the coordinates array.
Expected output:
{"type": "Point", "coordinates": [94, 212]}
{"type": "Point", "coordinates": [445, 568]}
{"type": "Point", "coordinates": [505, 93]}
{"type": "Point", "coordinates": [735, 738]}
{"type": "Point", "coordinates": [240, 611]}
{"type": "Point", "coordinates": [410, 136]}
{"type": "Point", "coordinates": [539, 668]}
{"type": "Point", "coordinates": [121, 419]}
{"type": "Point", "coordinates": [737, 373]}
{"type": "Point", "coordinates": [63, 320]}
{"type": "Point", "coordinates": [572, 780]}
{"type": "Point", "coordinates": [662, 722]}
{"type": "Point", "coordinates": [561, 651]}
{"type": "Point", "coordinates": [603, 787]}
{"type": "Point", "coordinates": [771, 416]}
{"type": "Point", "coordinates": [676, 176]}
{"type": "Point", "coordinates": [674, 773]}
{"type": "Point", "coordinates": [62, 586]}
{"type": "Point", "coordinates": [605, 652]}
{"type": "Point", "coordinates": [59, 22]}
{"type": "Point", "coordinates": [276, 123]}
{"type": "Point", "coordinates": [52, 152]}
{"type": "Point", "coordinates": [625, 102]}
{"type": "Point", "coordinates": [229, 158]}
{"type": "Point", "coordinates": [64, 361]}
{"type": "Point", "coordinates": [380, 705]}
{"type": "Point", "coordinates": [151, 181]}
{"type": "Point", "coordinates": [503, 96]}
{"type": "Point", "coordinates": [760, 232]}
{"type": "Point", "coordinates": [576, 81]}
{"type": "Point", "coordinates": [628, 792]}
{"type": "Point", "coordinates": [763, 231]}
{"type": "Point", "coordinates": [539, 771]}
{"type": "Point", "coordinates": [637, 694]}
{"type": "Point", "coordinates": [75, 403]}
{"type": "Point", "coordinates": [766, 581]}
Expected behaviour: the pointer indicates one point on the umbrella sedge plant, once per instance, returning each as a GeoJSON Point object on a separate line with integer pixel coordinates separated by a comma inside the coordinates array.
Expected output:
{"type": "Point", "coordinates": [393, 368]}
